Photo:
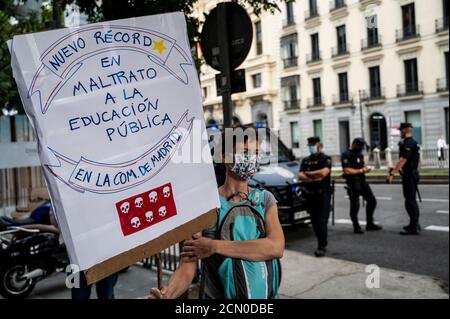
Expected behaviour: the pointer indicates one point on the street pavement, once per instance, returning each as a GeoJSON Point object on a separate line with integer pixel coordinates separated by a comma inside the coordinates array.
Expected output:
{"type": "Point", "coordinates": [410, 267]}
{"type": "Point", "coordinates": [427, 254]}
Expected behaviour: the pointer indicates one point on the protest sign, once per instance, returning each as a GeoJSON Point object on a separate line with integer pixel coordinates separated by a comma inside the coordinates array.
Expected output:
{"type": "Point", "coordinates": [112, 104]}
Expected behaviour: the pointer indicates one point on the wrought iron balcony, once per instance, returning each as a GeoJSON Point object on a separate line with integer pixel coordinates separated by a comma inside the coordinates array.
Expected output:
{"type": "Point", "coordinates": [337, 4]}
{"type": "Point", "coordinates": [290, 62]}
{"type": "Point", "coordinates": [442, 85]}
{"type": "Point", "coordinates": [374, 94]}
{"type": "Point", "coordinates": [314, 57]}
{"type": "Point", "coordinates": [311, 14]}
{"type": "Point", "coordinates": [342, 99]}
{"type": "Point", "coordinates": [340, 51]}
{"type": "Point", "coordinates": [371, 43]}
{"type": "Point", "coordinates": [410, 89]}
{"type": "Point", "coordinates": [408, 33]}
{"type": "Point", "coordinates": [291, 105]}
{"type": "Point", "coordinates": [315, 102]}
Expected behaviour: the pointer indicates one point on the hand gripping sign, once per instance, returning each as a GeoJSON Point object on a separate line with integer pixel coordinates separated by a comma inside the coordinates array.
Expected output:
{"type": "Point", "coordinates": [112, 104]}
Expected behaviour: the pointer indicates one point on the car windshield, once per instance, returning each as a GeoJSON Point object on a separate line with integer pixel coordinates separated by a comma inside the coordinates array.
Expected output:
{"type": "Point", "coordinates": [273, 150]}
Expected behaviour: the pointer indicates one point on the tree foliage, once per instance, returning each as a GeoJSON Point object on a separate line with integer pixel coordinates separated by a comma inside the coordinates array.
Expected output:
{"type": "Point", "coordinates": [97, 11]}
{"type": "Point", "coordinates": [11, 25]}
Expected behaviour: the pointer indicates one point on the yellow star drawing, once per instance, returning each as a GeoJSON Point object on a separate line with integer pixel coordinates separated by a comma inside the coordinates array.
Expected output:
{"type": "Point", "coordinates": [160, 47]}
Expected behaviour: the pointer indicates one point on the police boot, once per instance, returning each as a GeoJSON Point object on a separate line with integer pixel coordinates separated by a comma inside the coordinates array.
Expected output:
{"type": "Point", "coordinates": [357, 229]}
{"type": "Point", "coordinates": [373, 227]}
{"type": "Point", "coordinates": [320, 252]}
{"type": "Point", "coordinates": [413, 230]}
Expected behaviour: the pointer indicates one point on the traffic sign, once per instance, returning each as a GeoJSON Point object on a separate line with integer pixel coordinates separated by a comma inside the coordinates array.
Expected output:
{"type": "Point", "coordinates": [240, 36]}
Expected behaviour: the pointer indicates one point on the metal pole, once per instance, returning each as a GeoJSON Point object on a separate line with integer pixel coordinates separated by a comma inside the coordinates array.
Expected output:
{"type": "Point", "coordinates": [56, 8]}
{"type": "Point", "coordinates": [227, 103]}
{"type": "Point", "coordinates": [159, 270]}
{"type": "Point", "coordinates": [361, 114]}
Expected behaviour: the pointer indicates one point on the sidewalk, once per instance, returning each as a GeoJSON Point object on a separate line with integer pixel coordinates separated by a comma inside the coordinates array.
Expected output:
{"type": "Point", "coordinates": [307, 277]}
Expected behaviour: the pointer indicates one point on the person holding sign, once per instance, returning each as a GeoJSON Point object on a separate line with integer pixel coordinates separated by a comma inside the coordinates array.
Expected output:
{"type": "Point", "coordinates": [246, 239]}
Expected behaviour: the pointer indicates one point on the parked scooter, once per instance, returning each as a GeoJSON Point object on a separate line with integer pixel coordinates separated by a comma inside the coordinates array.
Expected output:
{"type": "Point", "coordinates": [28, 254]}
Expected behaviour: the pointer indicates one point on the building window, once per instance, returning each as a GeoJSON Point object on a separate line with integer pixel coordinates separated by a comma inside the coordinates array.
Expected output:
{"type": "Point", "coordinates": [289, 51]}
{"type": "Point", "coordinates": [259, 40]}
{"type": "Point", "coordinates": [372, 31]}
{"type": "Point", "coordinates": [317, 91]}
{"type": "Point", "coordinates": [409, 21]}
{"type": "Point", "coordinates": [257, 80]}
{"type": "Point", "coordinates": [447, 73]}
{"type": "Point", "coordinates": [289, 92]}
{"type": "Point", "coordinates": [414, 118]}
{"type": "Point", "coordinates": [447, 123]}
{"type": "Point", "coordinates": [445, 9]}
{"type": "Point", "coordinates": [343, 87]}
{"type": "Point", "coordinates": [375, 82]}
{"type": "Point", "coordinates": [318, 129]}
{"type": "Point", "coordinates": [315, 48]}
{"type": "Point", "coordinates": [295, 135]}
{"type": "Point", "coordinates": [341, 40]}
{"type": "Point", "coordinates": [205, 92]}
{"type": "Point", "coordinates": [313, 8]}
{"type": "Point", "coordinates": [337, 4]}
{"type": "Point", "coordinates": [411, 76]}
{"type": "Point", "coordinates": [290, 18]}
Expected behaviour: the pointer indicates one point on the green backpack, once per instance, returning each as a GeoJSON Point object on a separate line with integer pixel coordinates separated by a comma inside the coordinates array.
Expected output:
{"type": "Point", "coordinates": [244, 279]}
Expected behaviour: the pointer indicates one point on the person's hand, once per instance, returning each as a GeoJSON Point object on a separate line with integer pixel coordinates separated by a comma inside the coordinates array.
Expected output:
{"type": "Point", "coordinates": [390, 179]}
{"type": "Point", "coordinates": [198, 248]}
{"type": "Point", "coordinates": [367, 169]}
{"type": "Point", "coordinates": [163, 293]}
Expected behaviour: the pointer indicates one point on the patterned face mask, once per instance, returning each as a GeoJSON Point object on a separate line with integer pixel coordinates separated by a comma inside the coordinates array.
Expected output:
{"type": "Point", "coordinates": [245, 165]}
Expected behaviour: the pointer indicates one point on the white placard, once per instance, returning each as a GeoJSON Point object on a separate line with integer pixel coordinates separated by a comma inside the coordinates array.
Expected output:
{"type": "Point", "coordinates": [112, 103]}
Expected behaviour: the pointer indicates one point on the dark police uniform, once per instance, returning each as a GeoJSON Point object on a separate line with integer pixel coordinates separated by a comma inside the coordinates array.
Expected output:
{"type": "Point", "coordinates": [409, 150]}
{"type": "Point", "coordinates": [358, 186]}
{"type": "Point", "coordinates": [318, 196]}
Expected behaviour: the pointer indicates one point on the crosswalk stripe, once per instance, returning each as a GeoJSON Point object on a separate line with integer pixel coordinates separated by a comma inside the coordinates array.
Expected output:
{"type": "Point", "coordinates": [348, 222]}
{"type": "Point", "coordinates": [442, 212]}
{"type": "Point", "coordinates": [435, 200]}
{"type": "Point", "coordinates": [379, 198]}
{"type": "Point", "coordinates": [437, 228]}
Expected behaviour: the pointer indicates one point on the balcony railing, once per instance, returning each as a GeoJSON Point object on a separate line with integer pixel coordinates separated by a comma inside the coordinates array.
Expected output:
{"type": "Point", "coordinates": [340, 51]}
{"type": "Point", "coordinates": [291, 105]}
{"type": "Point", "coordinates": [314, 57]}
{"type": "Point", "coordinates": [315, 102]}
{"type": "Point", "coordinates": [290, 62]}
{"type": "Point", "coordinates": [408, 33]}
{"type": "Point", "coordinates": [442, 85]}
{"type": "Point", "coordinates": [311, 14]}
{"type": "Point", "coordinates": [442, 25]}
{"type": "Point", "coordinates": [410, 89]}
{"type": "Point", "coordinates": [371, 43]}
{"type": "Point", "coordinates": [337, 4]}
{"type": "Point", "coordinates": [374, 94]}
{"type": "Point", "coordinates": [287, 22]}
{"type": "Point", "coordinates": [341, 99]}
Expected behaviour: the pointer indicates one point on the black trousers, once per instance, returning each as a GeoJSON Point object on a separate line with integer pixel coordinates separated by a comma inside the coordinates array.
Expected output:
{"type": "Point", "coordinates": [358, 188]}
{"type": "Point", "coordinates": [319, 207]}
{"type": "Point", "coordinates": [409, 183]}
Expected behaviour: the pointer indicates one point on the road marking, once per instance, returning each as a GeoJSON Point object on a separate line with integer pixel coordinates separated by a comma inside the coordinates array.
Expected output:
{"type": "Point", "coordinates": [379, 198]}
{"type": "Point", "coordinates": [435, 200]}
{"type": "Point", "coordinates": [348, 222]}
{"type": "Point", "coordinates": [437, 228]}
{"type": "Point", "coordinates": [442, 212]}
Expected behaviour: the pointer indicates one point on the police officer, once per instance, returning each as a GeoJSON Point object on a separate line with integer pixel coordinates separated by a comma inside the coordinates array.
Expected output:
{"type": "Point", "coordinates": [355, 170]}
{"type": "Point", "coordinates": [407, 166]}
{"type": "Point", "coordinates": [315, 172]}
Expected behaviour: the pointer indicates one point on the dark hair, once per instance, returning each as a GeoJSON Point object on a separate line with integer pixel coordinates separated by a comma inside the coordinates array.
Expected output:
{"type": "Point", "coordinates": [231, 132]}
